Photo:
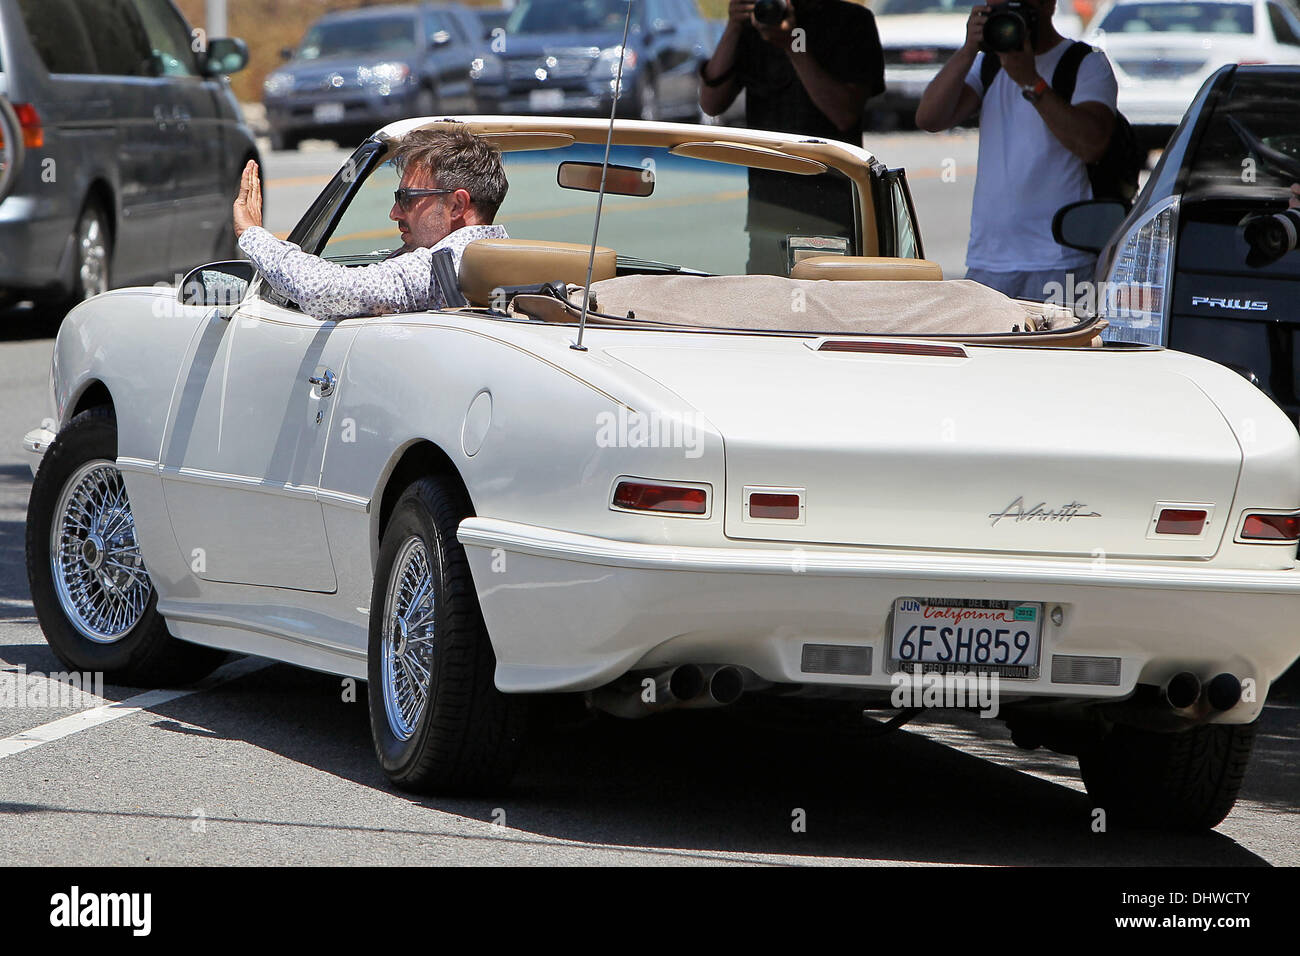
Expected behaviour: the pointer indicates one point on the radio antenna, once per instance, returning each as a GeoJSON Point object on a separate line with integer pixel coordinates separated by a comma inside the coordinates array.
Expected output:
{"type": "Point", "coordinates": [604, 172]}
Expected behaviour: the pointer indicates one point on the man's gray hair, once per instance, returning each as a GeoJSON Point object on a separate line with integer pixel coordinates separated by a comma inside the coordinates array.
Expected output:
{"type": "Point", "coordinates": [457, 159]}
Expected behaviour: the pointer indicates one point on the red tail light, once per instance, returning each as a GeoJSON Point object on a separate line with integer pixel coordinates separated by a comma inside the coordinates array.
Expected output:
{"type": "Point", "coordinates": [1180, 521]}
{"type": "Point", "coordinates": [1260, 527]}
{"type": "Point", "coordinates": [30, 121]}
{"type": "Point", "coordinates": [664, 498]}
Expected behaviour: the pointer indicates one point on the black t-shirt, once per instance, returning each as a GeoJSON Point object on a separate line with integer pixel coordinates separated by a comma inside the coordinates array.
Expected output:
{"type": "Point", "coordinates": [842, 38]}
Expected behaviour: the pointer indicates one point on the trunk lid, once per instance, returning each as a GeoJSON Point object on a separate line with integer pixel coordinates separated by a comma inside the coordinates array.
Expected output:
{"type": "Point", "coordinates": [1005, 450]}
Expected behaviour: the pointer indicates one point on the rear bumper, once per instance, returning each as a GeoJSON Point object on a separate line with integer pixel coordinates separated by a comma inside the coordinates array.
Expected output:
{"type": "Point", "coordinates": [572, 612]}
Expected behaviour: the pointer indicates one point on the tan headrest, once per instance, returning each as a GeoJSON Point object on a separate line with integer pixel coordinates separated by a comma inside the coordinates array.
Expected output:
{"type": "Point", "coordinates": [867, 269]}
{"type": "Point", "coordinates": [489, 264]}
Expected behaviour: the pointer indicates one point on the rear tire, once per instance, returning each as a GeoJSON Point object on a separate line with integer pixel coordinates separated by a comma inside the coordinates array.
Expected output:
{"type": "Point", "coordinates": [92, 592]}
{"type": "Point", "coordinates": [438, 721]}
{"type": "Point", "coordinates": [92, 254]}
{"type": "Point", "coordinates": [281, 142]}
{"type": "Point", "coordinates": [1170, 781]}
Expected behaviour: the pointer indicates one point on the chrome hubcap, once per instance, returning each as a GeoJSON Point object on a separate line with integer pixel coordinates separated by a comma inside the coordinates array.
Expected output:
{"type": "Point", "coordinates": [408, 638]}
{"type": "Point", "coordinates": [99, 574]}
{"type": "Point", "coordinates": [94, 256]}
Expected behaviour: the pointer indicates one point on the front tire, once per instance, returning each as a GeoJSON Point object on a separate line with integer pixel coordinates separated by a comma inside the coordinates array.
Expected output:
{"type": "Point", "coordinates": [91, 590]}
{"type": "Point", "coordinates": [438, 721]}
{"type": "Point", "coordinates": [1171, 781]}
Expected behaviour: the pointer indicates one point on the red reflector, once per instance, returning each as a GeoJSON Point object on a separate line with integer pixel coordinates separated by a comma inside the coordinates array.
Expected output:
{"type": "Point", "coordinates": [641, 496]}
{"type": "Point", "coordinates": [768, 505]}
{"type": "Point", "coordinates": [30, 121]}
{"type": "Point", "coordinates": [1175, 521]}
{"type": "Point", "coordinates": [1272, 528]}
{"type": "Point", "coordinates": [894, 348]}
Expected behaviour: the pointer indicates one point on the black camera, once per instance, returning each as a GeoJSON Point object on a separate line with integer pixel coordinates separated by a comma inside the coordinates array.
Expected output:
{"type": "Point", "coordinates": [771, 12]}
{"type": "Point", "coordinates": [1271, 237]}
{"type": "Point", "coordinates": [1008, 25]}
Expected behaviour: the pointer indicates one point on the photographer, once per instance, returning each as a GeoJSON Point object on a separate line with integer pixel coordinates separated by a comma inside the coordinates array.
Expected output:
{"type": "Point", "coordinates": [810, 72]}
{"type": "Point", "coordinates": [1034, 149]}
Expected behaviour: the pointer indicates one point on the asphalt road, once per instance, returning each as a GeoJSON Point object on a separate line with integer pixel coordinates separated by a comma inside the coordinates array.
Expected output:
{"type": "Point", "coordinates": [269, 764]}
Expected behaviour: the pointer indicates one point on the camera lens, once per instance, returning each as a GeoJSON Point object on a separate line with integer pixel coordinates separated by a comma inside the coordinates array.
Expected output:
{"type": "Point", "coordinates": [1272, 237]}
{"type": "Point", "coordinates": [1005, 32]}
{"type": "Point", "coordinates": [770, 12]}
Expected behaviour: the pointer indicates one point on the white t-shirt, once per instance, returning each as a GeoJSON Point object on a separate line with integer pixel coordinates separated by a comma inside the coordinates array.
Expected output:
{"type": "Point", "coordinates": [1025, 174]}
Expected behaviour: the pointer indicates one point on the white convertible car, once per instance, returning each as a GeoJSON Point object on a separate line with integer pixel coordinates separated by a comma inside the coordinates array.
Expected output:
{"type": "Point", "coordinates": [838, 478]}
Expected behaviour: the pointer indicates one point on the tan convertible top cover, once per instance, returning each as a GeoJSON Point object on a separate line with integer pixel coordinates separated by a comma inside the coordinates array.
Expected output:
{"type": "Point", "coordinates": [773, 303]}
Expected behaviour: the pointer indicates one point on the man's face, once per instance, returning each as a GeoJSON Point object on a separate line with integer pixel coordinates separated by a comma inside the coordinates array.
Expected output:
{"type": "Point", "coordinates": [426, 220]}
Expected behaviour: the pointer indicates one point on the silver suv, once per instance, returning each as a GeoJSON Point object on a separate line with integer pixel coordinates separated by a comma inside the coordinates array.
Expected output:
{"type": "Point", "coordinates": [134, 146]}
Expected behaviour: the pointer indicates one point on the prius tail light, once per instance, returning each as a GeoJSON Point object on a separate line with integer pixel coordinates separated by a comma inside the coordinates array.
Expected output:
{"type": "Point", "coordinates": [1271, 528]}
{"type": "Point", "coordinates": [660, 497]}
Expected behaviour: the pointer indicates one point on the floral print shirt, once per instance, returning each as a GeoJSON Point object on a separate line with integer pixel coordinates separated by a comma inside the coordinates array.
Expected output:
{"type": "Point", "coordinates": [329, 290]}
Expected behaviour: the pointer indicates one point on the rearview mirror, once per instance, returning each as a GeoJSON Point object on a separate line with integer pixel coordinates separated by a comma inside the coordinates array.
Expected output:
{"type": "Point", "coordinates": [621, 180]}
{"type": "Point", "coordinates": [441, 38]}
{"type": "Point", "coordinates": [220, 285]}
{"type": "Point", "coordinates": [1088, 225]}
{"type": "Point", "coordinates": [225, 56]}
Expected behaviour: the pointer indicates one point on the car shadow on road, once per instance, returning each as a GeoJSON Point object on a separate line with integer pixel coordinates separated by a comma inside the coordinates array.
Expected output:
{"type": "Point", "coordinates": [708, 782]}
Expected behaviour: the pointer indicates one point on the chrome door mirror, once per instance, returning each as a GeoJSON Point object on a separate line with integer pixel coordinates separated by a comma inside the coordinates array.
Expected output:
{"type": "Point", "coordinates": [1088, 225]}
{"type": "Point", "coordinates": [11, 148]}
{"type": "Point", "coordinates": [225, 56]}
{"type": "Point", "coordinates": [220, 285]}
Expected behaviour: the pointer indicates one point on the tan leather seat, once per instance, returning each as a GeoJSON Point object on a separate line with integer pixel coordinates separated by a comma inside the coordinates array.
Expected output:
{"type": "Point", "coordinates": [867, 269]}
{"type": "Point", "coordinates": [489, 264]}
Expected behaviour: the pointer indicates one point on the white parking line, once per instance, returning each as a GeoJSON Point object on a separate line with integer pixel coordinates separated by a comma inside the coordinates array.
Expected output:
{"type": "Point", "coordinates": [86, 719]}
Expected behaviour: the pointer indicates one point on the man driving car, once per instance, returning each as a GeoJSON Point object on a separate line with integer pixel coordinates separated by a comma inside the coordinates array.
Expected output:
{"type": "Point", "coordinates": [452, 185]}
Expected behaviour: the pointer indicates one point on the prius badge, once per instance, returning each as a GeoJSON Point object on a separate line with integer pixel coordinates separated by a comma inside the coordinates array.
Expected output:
{"type": "Point", "coordinates": [1235, 305]}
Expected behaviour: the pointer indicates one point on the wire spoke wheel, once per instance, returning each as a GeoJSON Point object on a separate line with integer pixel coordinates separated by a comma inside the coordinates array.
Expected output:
{"type": "Point", "coordinates": [99, 574]}
{"type": "Point", "coordinates": [409, 643]}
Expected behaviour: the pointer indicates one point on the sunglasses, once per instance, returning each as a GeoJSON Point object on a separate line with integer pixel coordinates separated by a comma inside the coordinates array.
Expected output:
{"type": "Point", "coordinates": [406, 195]}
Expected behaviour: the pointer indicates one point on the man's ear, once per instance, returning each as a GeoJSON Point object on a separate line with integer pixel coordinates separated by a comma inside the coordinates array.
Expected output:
{"type": "Point", "coordinates": [462, 204]}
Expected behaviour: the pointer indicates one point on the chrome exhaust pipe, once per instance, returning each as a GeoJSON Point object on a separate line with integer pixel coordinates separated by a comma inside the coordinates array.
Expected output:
{"type": "Point", "coordinates": [1223, 692]}
{"type": "Point", "coordinates": [1182, 691]}
{"type": "Point", "coordinates": [629, 696]}
{"type": "Point", "coordinates": [726, 685]}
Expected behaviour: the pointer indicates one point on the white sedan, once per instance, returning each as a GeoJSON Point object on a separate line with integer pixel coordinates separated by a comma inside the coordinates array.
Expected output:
{"type": "Point", "coordinates": [1164, 50]}
{"type": "Point", "coordinates": [845, 479]}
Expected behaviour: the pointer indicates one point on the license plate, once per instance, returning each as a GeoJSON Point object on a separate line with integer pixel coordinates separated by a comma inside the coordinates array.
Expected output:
{"type": "Point", "coordinates": [546, 100]}
{"type": "Point", "coordinates": [328, 113]}
{"type": "Point", "coordinates": [958, 634]}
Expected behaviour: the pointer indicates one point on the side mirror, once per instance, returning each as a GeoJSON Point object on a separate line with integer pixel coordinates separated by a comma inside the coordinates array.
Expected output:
{"type": "Point", "coordinates": [225, 56]}
{"type": "Point", "coordinates": [220, 285]}
{"type": "Point", "coordinates": [286, 54]}
{"type": "Point", "coordinates": [621, 181]}
{"type": "Point", "coordinates": [11, 147]}
{"type": "Point", "coordinates": [1088, 225]}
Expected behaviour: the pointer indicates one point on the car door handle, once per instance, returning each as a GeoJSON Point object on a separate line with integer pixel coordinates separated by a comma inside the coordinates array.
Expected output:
{"type": "Point", "coordinates": [325, 382]}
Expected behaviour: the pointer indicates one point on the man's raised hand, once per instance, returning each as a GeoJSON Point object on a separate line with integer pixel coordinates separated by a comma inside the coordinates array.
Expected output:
{"type": "Point", "coordinates": [248, 205]}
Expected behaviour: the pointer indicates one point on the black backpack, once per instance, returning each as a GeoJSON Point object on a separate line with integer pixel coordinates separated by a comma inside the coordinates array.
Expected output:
{"type": "Point", "coordinates": [1115, 175]}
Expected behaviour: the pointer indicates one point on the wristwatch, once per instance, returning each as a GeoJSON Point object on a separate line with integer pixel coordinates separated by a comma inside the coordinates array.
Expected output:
{"type": "Point", "coordinates": [1034, 91]}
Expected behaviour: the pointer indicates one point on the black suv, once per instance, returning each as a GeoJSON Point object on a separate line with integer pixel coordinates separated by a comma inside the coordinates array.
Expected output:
{"type": "Point", "coordinates": [561, 57]}
{"type": "Point", "coordinates": [1179, 270]}
{"type": "Point", "coordinates": [134, 146]}
{"type": "Point", "coordinates": [361, 69]}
